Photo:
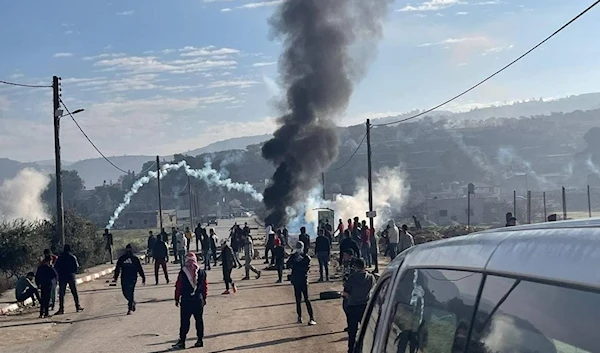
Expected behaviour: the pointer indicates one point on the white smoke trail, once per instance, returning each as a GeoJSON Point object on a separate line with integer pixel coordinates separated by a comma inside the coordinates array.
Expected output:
{"type": "Point", "coordinates": [389, 195]}
{"type": "Point", "coordinates": [592, 167]}
{"type": "Point", "coordinates": [209, 175]}
{"type": "Point", "coordinates": [21, 197]}
{"type": "Point", "coordinates": [507, 156]}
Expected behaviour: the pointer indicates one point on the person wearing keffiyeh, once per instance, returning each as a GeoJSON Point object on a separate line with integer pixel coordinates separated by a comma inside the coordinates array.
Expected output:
{"type": "Point", "coordinates": [191, 291]}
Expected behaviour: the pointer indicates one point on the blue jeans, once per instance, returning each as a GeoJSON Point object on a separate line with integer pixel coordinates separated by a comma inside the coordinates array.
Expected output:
{"type": "Point", "coordinates": [181, 254]}
{"type": "Point", "coordinates": [365, 250]}
{"type": "Point", "coordinates": [207, 254]}
{"type": "Point", "coordinates": [393, 250]}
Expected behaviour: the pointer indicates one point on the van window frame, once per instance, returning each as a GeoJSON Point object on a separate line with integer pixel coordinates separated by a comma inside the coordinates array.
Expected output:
{"type": "Point", "coordinates": [361, 335]}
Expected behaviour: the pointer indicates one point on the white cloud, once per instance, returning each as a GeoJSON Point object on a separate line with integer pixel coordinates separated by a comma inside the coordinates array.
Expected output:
{"type": "Point", "coordinates": [126, 13]}
{"type": "Point", "coordinates": [455, 41]}
{"type": "Point", "coordinates": [235, 83]}
{"type": "Point", "coordinates": [216, 0]}
{"type": "Point", "coordinates": [207, 51]}
{"type": "Point", "coordinates": [432, 5]}
{"type": "Point", "coordinates": [16, 75]}
{"type": "Point", "coordinates": [264, 64]}
{"type": "Point", "coordinates": [495, 50]}
{"type": "Point", "coordinates": [462, 13]}
{"type": "Point", "coordinates": [103, 56]}
{"type": "Point", "coordinates": [254, 5]}
{"type": "Point", "coordinates": [227, 9]}
{"type": "Point", "coordinates": [62, 55]}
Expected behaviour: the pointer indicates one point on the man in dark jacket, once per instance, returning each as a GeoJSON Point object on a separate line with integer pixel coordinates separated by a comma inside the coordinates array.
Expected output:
{"type": "Point", "coordinates": [299, 263]}
{"type": "Point", "coordinates": [163, 235]}
{"type": "Point", "coordinates": [160, 252]}
{"type": "Point", "coordinates": [278, 258]}
{"type": "Point", "coordinates": [323, 251]}
{"type": "Point", "coordinates": [304, 239]}
{"type": "Point", "coordinates": [45, 278]}
{"type": "Point", "coordinates": [151, 242]}
{"type": "Point", "coordinates": [191, 290]}
{"type": "Point", "coordinates": [357, 291]}
{"type": "Point", "coordinates": [200, 232]}
{"type": "Point", "coordinates": [228, 264]}
{"type": "Point", "coordinates": [108, 239]}
{"type": "Point", "coordinates": [66, 266]}
{"type": "Point", "coordinates": [174, 232]}
{"type": "Point", "coordinates": [346, 244]}
{"type": "Point", "coordinates": [269, 245]}
{"type": "Point", "coordinates": [130, 266]}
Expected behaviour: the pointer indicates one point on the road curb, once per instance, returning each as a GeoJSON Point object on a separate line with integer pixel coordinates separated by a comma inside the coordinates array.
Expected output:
{"type": "Point", "coordinates": [9, 308]}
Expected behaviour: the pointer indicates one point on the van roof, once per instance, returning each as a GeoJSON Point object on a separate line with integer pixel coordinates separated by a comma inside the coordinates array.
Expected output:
{"type": "Point", "coordinates": [567, 251]}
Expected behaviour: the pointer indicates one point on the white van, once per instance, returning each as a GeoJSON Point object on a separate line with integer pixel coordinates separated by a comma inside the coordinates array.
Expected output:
{"type": "Point", "coordinates": [532, 288]}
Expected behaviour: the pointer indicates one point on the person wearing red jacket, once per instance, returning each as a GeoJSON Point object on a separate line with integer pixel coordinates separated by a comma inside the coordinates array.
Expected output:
{"type": "Point", "coordinates": [365, 243]}
{"type": "Point", "coordinates": [191, 290]}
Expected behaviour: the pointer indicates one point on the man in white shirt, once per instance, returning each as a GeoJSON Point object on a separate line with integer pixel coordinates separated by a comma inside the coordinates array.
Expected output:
{"type": "Point", "coordinates": [393, 235]}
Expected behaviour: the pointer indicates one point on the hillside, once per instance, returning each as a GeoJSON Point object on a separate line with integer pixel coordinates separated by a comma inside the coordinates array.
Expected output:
{"type": "Point", "coordinates": [238, 143]}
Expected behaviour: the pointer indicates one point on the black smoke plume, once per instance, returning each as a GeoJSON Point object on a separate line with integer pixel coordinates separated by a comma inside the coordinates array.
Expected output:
{"type": "Point", "coordinates": [318, 71]}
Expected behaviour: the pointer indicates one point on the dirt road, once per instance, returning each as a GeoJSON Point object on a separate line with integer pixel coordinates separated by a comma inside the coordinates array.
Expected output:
{"type": "Point", "coordinates": [261, 317]}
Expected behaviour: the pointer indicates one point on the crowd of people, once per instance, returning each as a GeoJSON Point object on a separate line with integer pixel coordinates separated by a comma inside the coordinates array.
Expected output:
{"type": "Point", "coordinates": [358, 252]}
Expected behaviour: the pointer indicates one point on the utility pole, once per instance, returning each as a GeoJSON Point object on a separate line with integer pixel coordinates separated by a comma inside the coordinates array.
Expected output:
{"type": "Point", "coordinates": [323, 182]}
{"type": "Point", "coordinates": [190, 196]}
{"type": "Point", "coordinates": [371, 212]}
{"type": "Point", "coordinates": [528, 206]}
{"type": "Point", "coordinates": [56, 113]}
{"type": "Point", "coordinates": [160, 219]}
{"type": "Point", "coordinates": [564, 203]}
{"type": "Point", "coordinates": [589, 201]}
{"type": "Point", "coordinates": [545, 211]}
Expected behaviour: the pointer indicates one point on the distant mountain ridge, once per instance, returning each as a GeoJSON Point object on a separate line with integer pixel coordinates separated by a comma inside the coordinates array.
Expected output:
{"type": "Point", "coordinates": [95, 171]}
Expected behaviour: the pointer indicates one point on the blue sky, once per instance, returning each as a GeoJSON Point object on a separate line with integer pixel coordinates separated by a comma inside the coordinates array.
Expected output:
{"type": "Point", "coordinates": [160, 77]}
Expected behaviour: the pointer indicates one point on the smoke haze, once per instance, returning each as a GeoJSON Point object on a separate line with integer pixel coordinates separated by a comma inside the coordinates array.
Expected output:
{"type": "Point", "coordinates": [21, 197]}
{"type": "Point", "coordinates": [317, 72]}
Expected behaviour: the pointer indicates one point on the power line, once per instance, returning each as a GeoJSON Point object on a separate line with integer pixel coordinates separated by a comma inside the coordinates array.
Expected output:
{"type": "Point", "coordinates": [90, 141]}
{"type": "Point", "coordinates": [353, 154]}
{"type": "Point", "coordinates": [147, 169]}
{"type": "Point", "coordinates": [24, 85]}
{"type": "Point", "coordinates": [497, 72]}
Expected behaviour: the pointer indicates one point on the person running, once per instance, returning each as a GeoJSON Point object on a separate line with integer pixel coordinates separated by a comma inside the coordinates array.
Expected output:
{"type": "Point", "coordinates": [323, 251]}
{"type": "Point", "coordinates": [188, 236]}
{"type": "Point", "coordinates": [151, 241]}
{"type": "Point", "coordinates": [108, 241]}
{"type": "Point", "coordinates": [365, 243]}
{"type": "Point", "coordinates": [228, 264]}
{"type": "Point", "coordinates": [25, 289]}
{"type": "Point", "coordinates": [45, 278]}
{"type": "Point", "coordinates": [181, 246]}
{"type": "Point", "coordinates": [304, 239]}
{"type": "Point", "coordinates": [66, 267]}
{"type": "Point", "coordinates": [278, 259]}
{"type": "Point", "coordinates": [160, 253]}
{"type": "Point", "coordinates": [248, 252]}
{"type": "Point", "coordinates": [53, 259]}
{"type": "Point", "coordinates": [130, 266]}
{"type": "Point", "coordinates": [191, 290]}
{"type": "Point", "coordinates": [357, 291]}
{"type": "Point", "coordinates": [299, 263]}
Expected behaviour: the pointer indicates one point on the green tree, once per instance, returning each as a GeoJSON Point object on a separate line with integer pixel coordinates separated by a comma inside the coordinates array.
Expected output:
{"type": "Point", "coordinates": [72, 185]}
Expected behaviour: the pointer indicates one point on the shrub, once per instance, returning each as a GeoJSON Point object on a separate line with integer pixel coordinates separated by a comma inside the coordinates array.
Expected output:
{"type": "Point", "coordinates": [21, 245]}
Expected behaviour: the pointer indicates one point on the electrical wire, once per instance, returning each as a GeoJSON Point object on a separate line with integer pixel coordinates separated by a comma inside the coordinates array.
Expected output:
{"type": "Point", "coordinates": [148, 169]}
{"type": "Point", "coordinates": [89, 140]}
{"type": "Point", "coordinates": [497, 72]}
{"type": "Point", "coordinates": [24, 85]}
{"type": "Point", "coordinates": [353, 154]}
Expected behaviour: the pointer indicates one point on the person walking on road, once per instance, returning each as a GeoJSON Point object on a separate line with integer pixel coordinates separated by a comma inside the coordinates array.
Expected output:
{"type": "Point", "coordinates": [248, 252]}
{"type": "Point", "coordinates": [236, 243]}
{"type": "Point", "coordinates": [323, 251]}
{"type": "Point", "coordinates": [160, 252]}
{"type": "Point", "coordinates": [181, 246]}
{"type": "Point", "coordinates": [299, 263]}
{"type": "Point", "coordinates": [151, 241]}
{"type": "Point", "coordinates": [53, 259]}
{"type": "Point", "coordinates": [45, 278]}
{"type": "Point", "coordinates": [188, 237]}
{"type": "Point", "coordinates": [228, 264]}
{"type": "Point", "coordinates": [357, 291]}
{"type": "Point", "coordinates": [406, 239]}
{"type": "Point", "coordinates": [191, 290]}
{"type": "Point", "coordinates": [214, 240]}
{"type": "Point", "coordinates": [174, 232]}
{"type": "Point", "coordinates": [393, 239]}
{"type": "Point", "coordinates": [279, 259]}
{"type": "Point", "coordinates": [269, 244]}
{"type": "Point", "coordinates": [108, 238]}
{"type": "Point", "coordinates": [67, 267]}
{"type": "Point", "coordinates": [206, 250]}
{"type": "Point", "coordinates": [304, 239]}
{"type": "Point", "coordinates": [130, 266]}
{"type": "Point", "coordinates": [200, 233]}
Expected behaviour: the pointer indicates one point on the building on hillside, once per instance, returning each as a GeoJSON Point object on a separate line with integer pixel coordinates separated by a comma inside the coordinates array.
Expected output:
{"type": "Point", "coordinates": [146, 219]}
{"type": "Point", "coordinates": [450, 211]}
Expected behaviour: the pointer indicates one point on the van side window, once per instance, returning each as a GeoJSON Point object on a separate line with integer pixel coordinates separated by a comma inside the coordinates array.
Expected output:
{"type": "Point", "coordinates": [522, 316]}
{"type": "Point", "coordinates": [365, 342]}
{"type": "Point", "coordinates": [432, 311]}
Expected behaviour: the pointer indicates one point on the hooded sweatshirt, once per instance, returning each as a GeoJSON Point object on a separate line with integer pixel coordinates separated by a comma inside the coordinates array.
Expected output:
{"type": "Point", "coordinates": [129, 265]}
{"type": "Point", "coordinates": [393, 232]}
{"type": "Point", "coordinates": [299, 263]}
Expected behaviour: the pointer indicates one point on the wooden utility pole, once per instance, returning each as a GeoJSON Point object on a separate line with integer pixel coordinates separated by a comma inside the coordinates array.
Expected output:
{"type": "Point", "coordinates": [528, 207]}
{"type": "Point", "coordinates": [589, 201]}
{"type": "Point", "coordinates": [160, 218]}
{"type": "Point", "coordinates": [564, 203]}
{"type": "Point", "coordinates": [545, 211]}
{"type": "Point", "coordinates": [190, 196]}
{"type": "Point", "coordinates": [515, 203]}
{"type": "Point", "coordinates": [371, 214]}
{"type": "Point", "coordinates": [323, 183]}
{"type": "Point", "coordinates": [56, 114]}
